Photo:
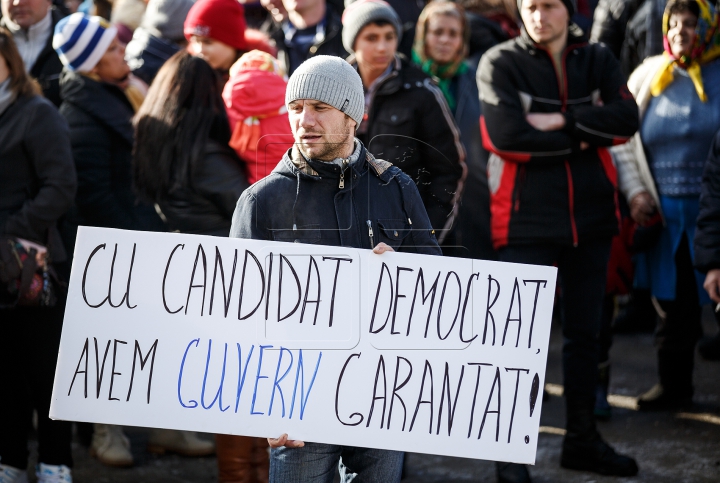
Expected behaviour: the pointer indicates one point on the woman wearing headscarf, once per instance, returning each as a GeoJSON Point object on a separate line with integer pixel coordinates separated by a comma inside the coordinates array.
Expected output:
{"type": "Point", "coordinates": [440, 50]}
{"type": "Point", "coordinates": [660, 173]}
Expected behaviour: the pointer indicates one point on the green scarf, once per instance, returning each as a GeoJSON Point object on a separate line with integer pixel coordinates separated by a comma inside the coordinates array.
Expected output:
{"type": "Point", "coordinates": [442, 75]}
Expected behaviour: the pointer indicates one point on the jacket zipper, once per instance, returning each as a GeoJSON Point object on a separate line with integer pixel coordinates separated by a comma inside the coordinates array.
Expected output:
{"type": "Point", "coordinates": [571, 204]}
{"type": "Point", "coordinates": [521, 183]}
{"type": "Point", "coordinates": [571, 188]}
{"type": "Point", "coordinates": [370, 234]}
{"type": "Point", "coordinates": [342, 173]}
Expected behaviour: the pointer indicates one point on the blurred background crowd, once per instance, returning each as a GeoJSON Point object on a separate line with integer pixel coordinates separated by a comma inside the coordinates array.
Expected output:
{"type": "Point", "coordinates": [157, 114]}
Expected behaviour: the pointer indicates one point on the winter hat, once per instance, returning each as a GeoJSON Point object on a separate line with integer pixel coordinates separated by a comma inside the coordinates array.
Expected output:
{"type": "Point", "coordinates": [258, 60]}
{"type": "Point", "coordinates": [571, 5]}
{"type": "Point", "coordinates": [165, 18]}
{"type": "Point", "coordinates": [330, 80]}
{"type": "Point", "coordinates": [358, 14]}
{"type": "Point", "coordinates": [81, 41]}
{"type": "Point", "coordinates": [222, 20]}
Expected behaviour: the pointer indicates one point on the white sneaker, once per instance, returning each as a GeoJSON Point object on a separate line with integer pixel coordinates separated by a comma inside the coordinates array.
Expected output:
{"type": "Point", "coordinates": [110, 446]}
{"type": "Point", "coordinates": [53, 473]}
{"type": "Point", "coordinates": [10, 474]}
{"type": "Point", "coordinates": [186, 443]}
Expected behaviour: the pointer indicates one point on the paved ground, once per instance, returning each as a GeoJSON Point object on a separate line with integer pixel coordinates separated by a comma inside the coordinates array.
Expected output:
{"type": "Point", "coordinates": [670, 448]}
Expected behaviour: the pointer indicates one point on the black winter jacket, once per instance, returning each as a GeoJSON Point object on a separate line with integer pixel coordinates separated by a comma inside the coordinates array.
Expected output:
{"type": "Point", "coordinates": [411, 126]}
{"type": "Point", "coordinates": [632, 29]}
{"type": "Point", "coordinates": [48, 67]}
{"type": "Point", "coordinates": [378, 203]}
{"type": "Point", "coordinates": [485, 33]}
{"type": "Point", "coordinates": [331, 44]}
{"type": "Point", "coordinates": [37, 175]}
{"type": "Point", "coordinates": [206, 207]}
{"type": "Point", "coordinates": [473, 226]}
{"type": "Point", "coordinates": [101, 133]}
{"type": "Point", "coordinates": [544, 188]}
{"type": "Point", "coordinates": [707, 235]}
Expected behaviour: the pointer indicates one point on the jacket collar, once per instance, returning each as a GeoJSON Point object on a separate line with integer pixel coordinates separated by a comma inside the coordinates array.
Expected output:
{"type": "Point", "coordinates": [293, 163]}
{"type": "Point", "coordinates": [576, 38]}
{"type": "Point", "coordinates": [332, 24]}
{"type": "Point", "coordinates": [392, 82]}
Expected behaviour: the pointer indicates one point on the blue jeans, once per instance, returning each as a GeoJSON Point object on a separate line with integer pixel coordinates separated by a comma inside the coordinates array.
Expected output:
{"type": "Point", "coordinates": [316, 462]}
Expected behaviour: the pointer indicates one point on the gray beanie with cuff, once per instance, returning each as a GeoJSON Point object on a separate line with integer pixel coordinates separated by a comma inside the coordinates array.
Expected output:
{"type": "Point", "coordinates": [363, 12]}
{"type": "Point", "coordinates": [330, 80]}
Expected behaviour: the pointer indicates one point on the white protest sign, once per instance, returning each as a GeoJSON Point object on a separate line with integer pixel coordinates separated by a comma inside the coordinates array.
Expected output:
{"type": "Point", "coordinates": [329, 344]}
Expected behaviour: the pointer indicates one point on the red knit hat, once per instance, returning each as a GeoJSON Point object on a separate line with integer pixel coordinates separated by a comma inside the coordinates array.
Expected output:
{"type": "Point", "coordinates": [222, 20]}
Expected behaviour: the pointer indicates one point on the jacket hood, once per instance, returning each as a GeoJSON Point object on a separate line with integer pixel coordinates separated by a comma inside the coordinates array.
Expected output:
{"type": "Point", "coordinates": [104, 102]}
{"type": "Point", "coordinates": [255, 93]}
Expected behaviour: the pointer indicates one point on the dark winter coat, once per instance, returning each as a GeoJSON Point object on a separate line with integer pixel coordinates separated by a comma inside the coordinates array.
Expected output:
{"type": "Point", "coordinates": [37, 175]}
{"type": "Point", "coordinates": [330, 45]}
{"type": "Point", "coordinates": [473, 225]}
{"type": "Point", "coordinates": [631, 29]}
{"type": "Point", "coordinates": [145, 54]}
{"type": "Point", "coordinates": [411, 126]}
{"type": "Point", "coordinates": [544, 188]}
{"type": "Point", "coordinates": [485, 33]}
{"type": "Point", "coordinates": [378, 203]}
{"type": "Point", "coordinates": [48, 67]}
{"type": "Point", "coordinates": [206, 207]}
{"type": "Point", "coordinates": [707, 234]}
{"type": "Point", "coordinates": [99, 116]}
{"type": "Point", "coordinates": [408, 11]}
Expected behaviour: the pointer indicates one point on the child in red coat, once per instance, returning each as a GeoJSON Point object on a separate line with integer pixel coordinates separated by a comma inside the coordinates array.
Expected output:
{"type": "Point", "coordinates": [255, 103]}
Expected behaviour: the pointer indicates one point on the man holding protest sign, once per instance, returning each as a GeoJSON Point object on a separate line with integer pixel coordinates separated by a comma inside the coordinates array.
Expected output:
{"type": "Point", "coordinates": [551, 106]}
{"type": "Point", "coordinates": [376, 206]}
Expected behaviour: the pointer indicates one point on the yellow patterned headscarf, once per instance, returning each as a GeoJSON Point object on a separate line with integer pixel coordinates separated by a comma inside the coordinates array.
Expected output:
{"type": "Point", "coordinates": [705, 49]}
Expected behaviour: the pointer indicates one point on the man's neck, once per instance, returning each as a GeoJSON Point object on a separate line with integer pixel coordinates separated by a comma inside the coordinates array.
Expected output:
{"type": "Point", "coordinates": [557, 45]}
{"type": "Point", "coordinates": [13, 27]}
{"type": "Point", "coordinates": [307, 18]}
{"type": "Point", "coordinates": [369, 76]}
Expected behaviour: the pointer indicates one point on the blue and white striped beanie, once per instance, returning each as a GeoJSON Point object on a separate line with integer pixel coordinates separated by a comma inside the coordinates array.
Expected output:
{"type": "Point", "coordinates": [81, 40]}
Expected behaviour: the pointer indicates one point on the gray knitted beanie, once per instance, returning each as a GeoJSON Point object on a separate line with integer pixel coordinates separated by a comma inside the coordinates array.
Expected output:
{"type": "Point", "coordinates": [358, 14]}
{"type": "Point", "coordinates": [165, 18]}
{"type": "Point", "coordinates": [330, 80]}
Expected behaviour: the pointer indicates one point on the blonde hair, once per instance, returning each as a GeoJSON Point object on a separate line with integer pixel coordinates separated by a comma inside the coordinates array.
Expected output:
{"type": "Point", "coordinates": [435, 8]}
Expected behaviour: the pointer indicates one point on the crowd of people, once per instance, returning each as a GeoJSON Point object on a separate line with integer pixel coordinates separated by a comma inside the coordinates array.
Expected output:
{"type": "Point", "coordinates": [482, 129]}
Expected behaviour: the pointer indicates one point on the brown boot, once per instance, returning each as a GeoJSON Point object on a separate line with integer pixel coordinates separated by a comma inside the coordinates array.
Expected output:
{"type": "Point", "coordinates": [234, 459]}
{"type": "Point", "coordinates": [261, 460]}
